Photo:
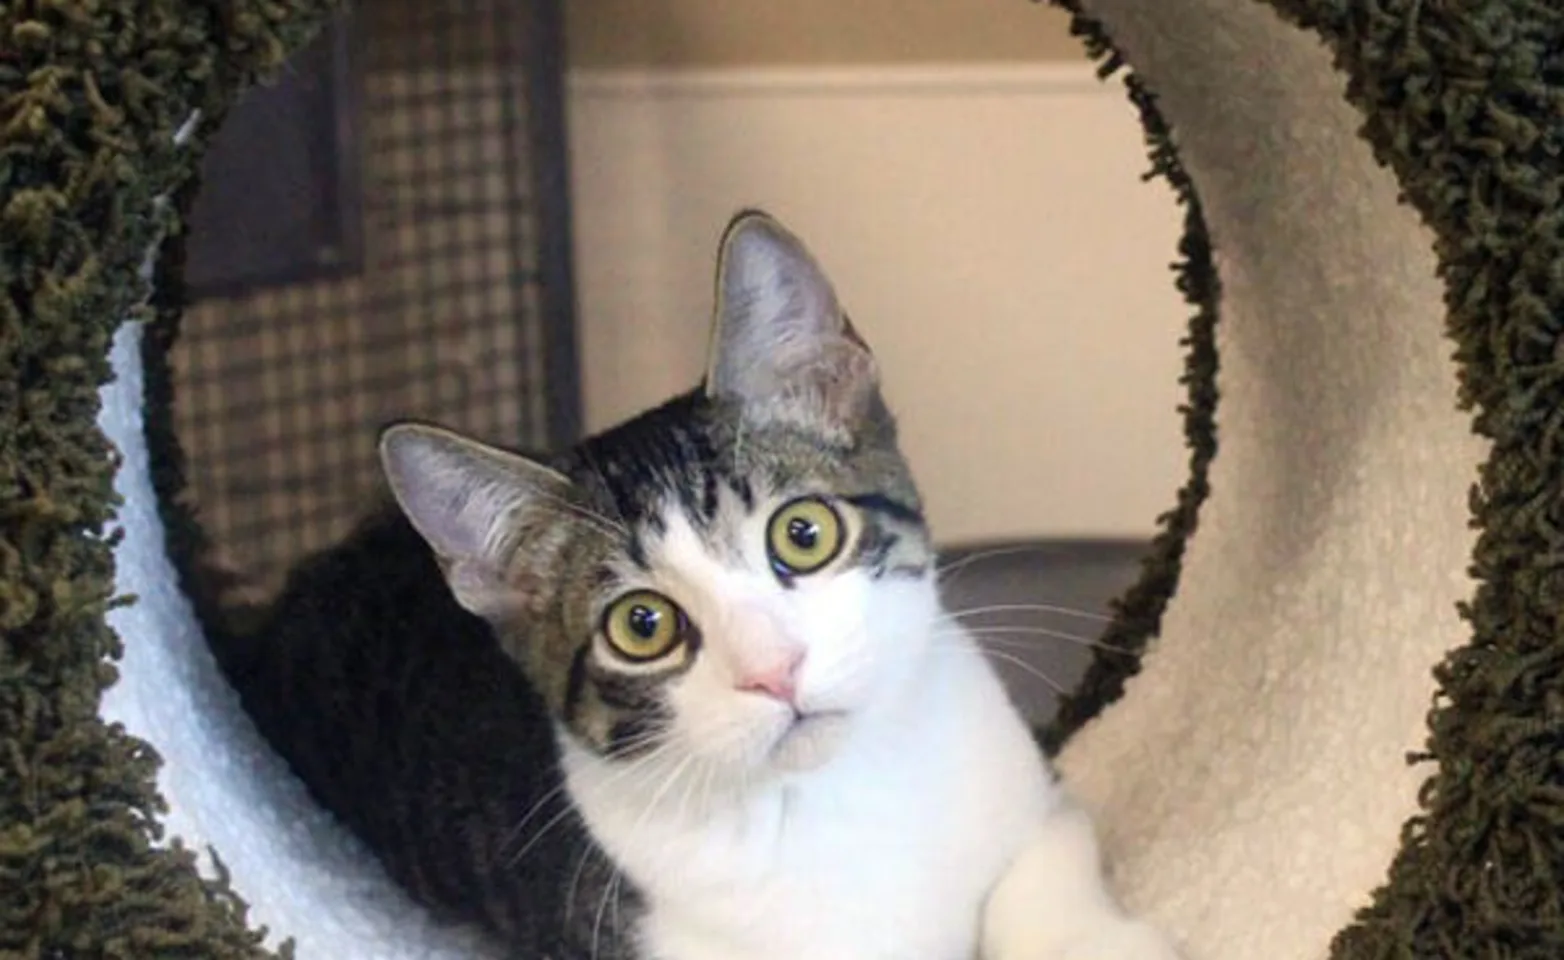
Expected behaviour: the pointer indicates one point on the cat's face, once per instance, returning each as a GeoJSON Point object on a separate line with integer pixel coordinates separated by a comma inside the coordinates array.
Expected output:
{"type": "Point", "coordinates": [740, 576]}
{"type": "Point", "coordinates": [760, 599]}
{"type": "Point", "coordinates": [787, 656]}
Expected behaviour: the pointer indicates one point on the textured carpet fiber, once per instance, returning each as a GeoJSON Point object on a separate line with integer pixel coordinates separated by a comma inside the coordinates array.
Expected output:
{"type": "Point", "coordinates": [92, 95]}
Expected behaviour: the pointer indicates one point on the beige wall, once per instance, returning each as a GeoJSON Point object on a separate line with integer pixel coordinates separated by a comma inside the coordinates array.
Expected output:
{"type": "Point", "coordinates": [971, 185]}
{"type": "Point", "coordinates": [714, 33]}
{"type": "Point", "coordinates": [987, 227]}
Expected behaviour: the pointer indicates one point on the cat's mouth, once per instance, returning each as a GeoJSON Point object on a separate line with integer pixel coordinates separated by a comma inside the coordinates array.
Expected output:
{"type": "Point", "coordinates": [804, 718]}
{"type": "Point", "coordinates": [810, 739]}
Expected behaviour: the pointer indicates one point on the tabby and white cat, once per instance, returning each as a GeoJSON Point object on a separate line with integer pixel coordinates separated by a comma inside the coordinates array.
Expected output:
{"type": "Point", "coordinates": [697, 698]}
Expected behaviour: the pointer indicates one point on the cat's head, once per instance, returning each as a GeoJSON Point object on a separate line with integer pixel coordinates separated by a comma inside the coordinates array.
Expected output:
{"type": "Point", "coordinates": [742, 575]}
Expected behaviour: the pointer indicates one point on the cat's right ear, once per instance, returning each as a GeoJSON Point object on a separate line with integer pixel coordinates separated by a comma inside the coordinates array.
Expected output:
{"type": "Point", "coordinates": [781, 346]}
{"type": "Point", "coordinates": [473, 504]}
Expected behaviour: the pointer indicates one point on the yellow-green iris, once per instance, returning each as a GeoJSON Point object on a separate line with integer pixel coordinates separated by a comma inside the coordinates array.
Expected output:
{"type": "Point", "coordinates": [804, 535]}
{"type": "Point", "coordinates": [644, 625]}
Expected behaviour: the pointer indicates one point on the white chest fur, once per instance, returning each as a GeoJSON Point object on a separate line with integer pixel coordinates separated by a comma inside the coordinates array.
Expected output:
{"type": "Point", "coordinates": [885, 853]}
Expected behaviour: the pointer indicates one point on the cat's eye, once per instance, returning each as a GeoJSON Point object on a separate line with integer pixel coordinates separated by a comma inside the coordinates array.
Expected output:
{"type": "Point", "coordinates": [644, 625]}
{"type": "Point", "coordinates": [803, 536]}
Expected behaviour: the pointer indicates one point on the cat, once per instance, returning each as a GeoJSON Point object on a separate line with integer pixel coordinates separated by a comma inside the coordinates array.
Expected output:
{"type": "Point", "coordinates": [685, 691]}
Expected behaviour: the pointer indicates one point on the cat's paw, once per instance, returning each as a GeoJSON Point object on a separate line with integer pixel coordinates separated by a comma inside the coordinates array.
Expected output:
{"type": "Point", "coordinates": [1053, 903]}
{"type": "Point", "coordinates": [1120, 940]}
{"type": "Point", "coordinates": [1126, 940]}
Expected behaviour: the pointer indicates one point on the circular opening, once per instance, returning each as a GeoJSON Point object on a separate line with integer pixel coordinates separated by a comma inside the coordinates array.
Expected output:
{"type": "Point", "coordinates": [424, 277]}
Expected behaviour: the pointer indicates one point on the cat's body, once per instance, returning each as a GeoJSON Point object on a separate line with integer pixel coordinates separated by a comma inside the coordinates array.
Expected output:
{"type": "Point", "coordinates": [887, 854]}
{"type": "Point", "coordinates": [716, 629]}
{"type": "Point", "coordinates": [404, 718]}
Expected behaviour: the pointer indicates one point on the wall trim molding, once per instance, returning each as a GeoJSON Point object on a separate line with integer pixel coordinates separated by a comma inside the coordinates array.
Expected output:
{"type": "Point", "coordinates": [891, 80]}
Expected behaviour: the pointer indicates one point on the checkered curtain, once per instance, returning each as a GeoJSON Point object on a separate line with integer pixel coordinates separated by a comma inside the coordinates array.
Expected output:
{"type": "Point", "coordinates": [280, 392]}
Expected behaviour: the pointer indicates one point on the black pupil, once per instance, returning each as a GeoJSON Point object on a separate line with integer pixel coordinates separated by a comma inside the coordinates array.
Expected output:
{"type": "Point", "coordinates": [805, 534]}
{"type": "Point", "coordinates": [644, 621]}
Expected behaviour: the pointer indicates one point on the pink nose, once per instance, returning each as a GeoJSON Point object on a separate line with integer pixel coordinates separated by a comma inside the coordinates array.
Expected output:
{"type": "Point", "coordinates": [779, 681]}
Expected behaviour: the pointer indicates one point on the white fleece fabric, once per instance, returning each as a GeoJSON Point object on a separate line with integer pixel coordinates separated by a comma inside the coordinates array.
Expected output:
{"type": "Point", "coordinates": [301, 873]}
{"type": "Point", "coordinates": [1252, 782]}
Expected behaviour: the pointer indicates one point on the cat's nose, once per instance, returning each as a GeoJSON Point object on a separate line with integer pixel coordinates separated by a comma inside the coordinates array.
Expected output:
{"type": "Point", "coordinates": [777, 680]}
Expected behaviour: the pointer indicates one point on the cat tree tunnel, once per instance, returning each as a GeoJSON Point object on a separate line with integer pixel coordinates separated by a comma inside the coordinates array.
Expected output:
{"type": "Point", "coordinates": [1345, 737]}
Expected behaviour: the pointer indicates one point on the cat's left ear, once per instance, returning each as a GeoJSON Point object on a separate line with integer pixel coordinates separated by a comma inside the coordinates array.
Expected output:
{"type": "Point", "coordinates": [781, 345]}
{"type": "Point", "coordinates": [475, 505]}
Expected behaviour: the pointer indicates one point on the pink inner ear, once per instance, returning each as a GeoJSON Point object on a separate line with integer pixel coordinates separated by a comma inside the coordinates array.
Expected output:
{"type": "Point", "coordinates": [845, 377]}
{"type": "Point", "coordinates": [484, 589]}
{"type": "Point", "coordinates": [436, 487]}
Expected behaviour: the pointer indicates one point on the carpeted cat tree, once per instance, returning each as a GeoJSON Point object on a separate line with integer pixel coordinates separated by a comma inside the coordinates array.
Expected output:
{"type": "Point", "coordinates": [1346, 736]}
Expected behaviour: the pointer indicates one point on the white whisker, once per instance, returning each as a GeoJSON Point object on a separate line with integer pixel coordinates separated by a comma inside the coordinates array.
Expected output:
{"type": "Point", "coordinates": [575, 880]}
{"type": "Point", "coordinates": [1020, 664]}
{"type": "Point", "coordinates": [949, 571]}
{"type": "Point", "coordinates": [641, 741]}
{"type": "Point", "coordinates": [637, 765]}
{"type": "Point", "coordinates": [532, 841]}
{"type": "Point", "coordinates": [515, 832]}
{"type": "Point", "coordinates": [1029, 608]}
{"type": "Point", "coordinates": [610, 892]}
{"type": "Point", "coordinates": [998, 635]}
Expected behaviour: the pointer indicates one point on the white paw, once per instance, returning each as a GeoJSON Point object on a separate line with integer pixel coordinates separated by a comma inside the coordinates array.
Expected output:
{"type": "Point", "coordinates": [1053, 903]}
{"type": "Point", "coordinates": [1117, 940]}
{"type": "Point", "coordinates": [1125, 940]}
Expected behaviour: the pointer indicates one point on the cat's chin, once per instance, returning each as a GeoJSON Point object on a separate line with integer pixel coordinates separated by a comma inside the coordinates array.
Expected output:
{"type": "Point", "coordinates": [810, 742]}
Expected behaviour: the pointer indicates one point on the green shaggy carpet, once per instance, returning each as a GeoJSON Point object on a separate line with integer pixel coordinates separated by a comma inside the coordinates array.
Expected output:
{"type": "Point", "coordinates": [1465, 101]}
{"type": "Point", "coordinates": [91, 95]}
